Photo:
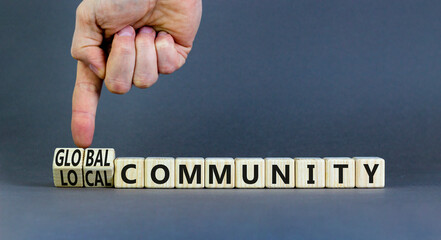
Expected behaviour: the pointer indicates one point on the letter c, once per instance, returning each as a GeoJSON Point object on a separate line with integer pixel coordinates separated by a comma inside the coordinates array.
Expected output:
{"type": "Point", "coordinates": [124, 174]}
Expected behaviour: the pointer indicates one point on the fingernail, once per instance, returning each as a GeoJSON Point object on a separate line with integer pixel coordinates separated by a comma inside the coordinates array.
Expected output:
{"type": "Point", "coordinates": [146, 30]}
{"type": "Point", "coordinates": [94, 69]}
{"type": "Point", "coordinates": [127, 31]}
{"type": "Point", "coordinates": [162, 33]}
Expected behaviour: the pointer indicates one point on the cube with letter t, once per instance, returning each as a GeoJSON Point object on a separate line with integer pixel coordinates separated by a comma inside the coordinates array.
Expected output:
{"type": "Point", "coordinates": [68, 167]}
{"type": "Point", "coordinates": [340, 172]}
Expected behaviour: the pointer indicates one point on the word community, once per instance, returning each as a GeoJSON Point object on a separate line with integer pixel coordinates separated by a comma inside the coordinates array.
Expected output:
{"type": "Point", "coordinates": [98, 167]}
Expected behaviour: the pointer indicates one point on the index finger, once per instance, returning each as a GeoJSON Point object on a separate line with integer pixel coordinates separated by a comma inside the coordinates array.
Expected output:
{"type": "Point", "coordinates": [84, 104]}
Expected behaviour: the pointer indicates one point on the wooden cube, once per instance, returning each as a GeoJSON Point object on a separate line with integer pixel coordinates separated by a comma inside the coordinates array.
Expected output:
{"type": "Point", "coordinates": [250, 173]}
{"type": "Point", "coordinates": [189, 172]}
{"type": "Point", "coordinates": [67, 167]}
{"type": "Point", "coordinates": [340, 172]}
{"type": "Point", "coordinates": [159, 172]}
{"type": "Point", "coordinates": [219, 173]}
{"type": "Point", "coordinates": [310, 172]}
{"type": "Point", "coordinates": [369, 172]}
{"type": "Point", "coordinates": [129, 172]}
{"type": "Point", "coordinates": [279, 173]}
{"type": "Point", "coordinates": [98, 167]}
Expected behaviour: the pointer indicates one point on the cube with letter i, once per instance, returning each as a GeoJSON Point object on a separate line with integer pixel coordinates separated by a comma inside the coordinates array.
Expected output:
{"type": "Point", "coordinates": [310, 172]}
{"type": "Point", "coordinates": [98, 167]}
{"type": "Point", "coordinates": [68, 167]}
{"type": "Point", "coordinates": [369, 172]}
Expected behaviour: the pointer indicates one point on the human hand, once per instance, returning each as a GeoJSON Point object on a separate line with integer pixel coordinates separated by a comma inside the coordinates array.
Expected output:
{"type": "Point", "coordinates": [137, 53]}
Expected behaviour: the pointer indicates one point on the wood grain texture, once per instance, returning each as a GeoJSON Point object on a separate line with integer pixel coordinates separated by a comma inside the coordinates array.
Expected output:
{"type": "Point", "coordinates": [129, 172]}
{"type": "Point", "coordinates": [250, 173]}
{"type": "Point", "coordinates": [189, 172]}
{"type": "Point", "coordinates": [279, 173]}
{"type": "Point", "coordinates": [219, 173]}
{"type": "Point", "coordinates": [159, 172]}
{"type": "Point", "coordinates": [340, 172]}
{"type": "Point", "coordinates": [67, 167]}
{"type": "Point", "coordinates": [98, 167]}
{"type": "Point", "coordinates": [310, 172]}
{"type": "Point", "coordinates": [369, 172]}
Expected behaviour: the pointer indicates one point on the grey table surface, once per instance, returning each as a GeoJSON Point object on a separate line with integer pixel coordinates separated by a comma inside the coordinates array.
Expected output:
{"type": "Point", "coordinates": [265, 78]}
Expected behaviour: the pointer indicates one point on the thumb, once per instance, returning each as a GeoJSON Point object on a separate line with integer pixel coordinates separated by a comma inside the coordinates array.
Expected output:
{"type": "Point", "coordinates": [87, 40]}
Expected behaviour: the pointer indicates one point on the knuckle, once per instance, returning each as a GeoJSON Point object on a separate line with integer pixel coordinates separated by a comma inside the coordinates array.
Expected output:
{"type": "Point", "coordinates": [117, 86]}
{"type": "Point", "coordinates": [80, 10]}
{"type": "Point", "coordinates": [74, 53]}
{"type": "Point", "coordinates": [88, 86]}
{"type": "Point", "coordinates": [143, 41]}
{"type": "Point", "coordinates": [168, 68]}
{"type": "Point", "coordinates": [145, 80]}
{"type": "Point", "coordinates": [125, 49]}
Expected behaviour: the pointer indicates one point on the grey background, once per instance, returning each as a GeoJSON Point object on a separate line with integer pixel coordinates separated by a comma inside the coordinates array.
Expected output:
{"type": "Point", "coordinates": [265, 78]}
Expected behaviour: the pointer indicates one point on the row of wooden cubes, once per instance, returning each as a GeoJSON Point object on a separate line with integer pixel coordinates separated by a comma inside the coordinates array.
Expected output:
{"type": "Point", "coordinates": [97, 167]}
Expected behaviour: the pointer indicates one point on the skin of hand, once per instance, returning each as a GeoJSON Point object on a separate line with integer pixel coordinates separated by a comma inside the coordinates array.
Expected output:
{"type": "Point", "coordinates": [146, 37]}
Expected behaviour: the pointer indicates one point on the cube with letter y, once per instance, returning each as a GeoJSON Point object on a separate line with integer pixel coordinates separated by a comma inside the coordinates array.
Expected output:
{"type": "Point", "coordinates": [68, 167]}
{"type": "Point", "coordinates": [369, 172]}
{"type": "Point", "coordinates": [129, 172]}
{"type": "Point", "coordinates": [98, 167]}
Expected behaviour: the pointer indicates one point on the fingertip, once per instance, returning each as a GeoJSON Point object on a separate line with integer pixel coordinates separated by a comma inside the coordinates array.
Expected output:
{"type": "Point", "coordinates": [127, 31]}
{"type": "Point", "coordinates": [83, 128]}
{"type": "Point", "coordinates": [147, 30]}
{"type": "Point", "coordinates": [164, 40]}
{"type": "Point", "coordinates": [117, 87]}
{"type": "Point", "coordinates": [145, 81]}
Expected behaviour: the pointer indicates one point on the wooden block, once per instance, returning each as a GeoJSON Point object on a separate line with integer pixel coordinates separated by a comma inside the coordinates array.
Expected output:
{"type": "Point", "coordinates": [369, 172]}
{"type": "Point", "coordinates": [98, 167]}
{"type": "Point", "coordinates": [189, 172]}
{"type": "Point", "coordinates": [67, 167]}
{"type": "Point", "coordinates": [129, 172]}
{"type": "Point", "coordinates": [159, 172]}
{"type": "Point", "coordinates": [279, 173]}
{"type": "Point", "coordinates": [340, 172]}
{"type": "Point", "coordinates": [219, 173]}
{"type": "Point", "coordinates": [310, 172]}
{"type": "Point", "coordinates": [250, 173]}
